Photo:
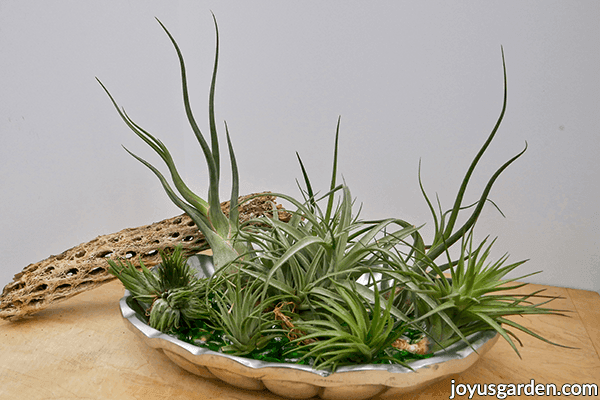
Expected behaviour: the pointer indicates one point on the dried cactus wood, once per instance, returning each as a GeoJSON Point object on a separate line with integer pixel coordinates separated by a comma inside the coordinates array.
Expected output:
{"type": "Point", "coordinates": [84, 267]}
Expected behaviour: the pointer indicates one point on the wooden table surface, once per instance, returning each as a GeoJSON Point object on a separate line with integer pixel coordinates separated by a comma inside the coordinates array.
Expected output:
{"type": "Point", "coordinates": [81, 349]}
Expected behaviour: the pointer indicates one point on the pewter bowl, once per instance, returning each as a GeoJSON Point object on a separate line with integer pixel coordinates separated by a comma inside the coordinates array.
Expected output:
{"type": "Point", "coordinates": [300, 381]}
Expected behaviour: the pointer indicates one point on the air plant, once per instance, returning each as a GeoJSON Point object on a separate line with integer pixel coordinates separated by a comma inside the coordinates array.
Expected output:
{"type": "Point", "coordinates": [169, 296]}
{"type": "Point", "coordinates": [478, 298]}
{"type": "Point", "coordinates": [352, 329]}
{"type": "Point", "coordinates": [241, 312]}
{"type": "Point", "coordinates": [218, 229]}
{"type": "Point", "coordinates": [338, 289]}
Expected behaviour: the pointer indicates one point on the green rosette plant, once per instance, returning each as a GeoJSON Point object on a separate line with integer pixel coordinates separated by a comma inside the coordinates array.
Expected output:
{"type": "Point", "coordinates": [476, 299]}
{"type": "Point", "coordinates": [169, 296]}
{"type": "Point", "coordinates": [325, 288]}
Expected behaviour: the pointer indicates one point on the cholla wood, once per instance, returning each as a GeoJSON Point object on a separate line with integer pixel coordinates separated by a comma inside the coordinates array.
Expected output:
{"type": "Point", "coordinates": [84, 267]}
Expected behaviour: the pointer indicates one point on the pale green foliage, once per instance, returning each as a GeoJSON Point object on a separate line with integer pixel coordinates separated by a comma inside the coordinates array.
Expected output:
{"type": "Point", "coordinates": [475, 297]}
{"type": "Point", "coordinates": [350, 328]}
{"type": "Point", "coordinates": [240, 312]}
{"type": "Point", "coordinates": [350, 287]}
{"type": "Point", "coordinates": [170, 295]}
{"type": "Point", "coordinates": [216, 227]}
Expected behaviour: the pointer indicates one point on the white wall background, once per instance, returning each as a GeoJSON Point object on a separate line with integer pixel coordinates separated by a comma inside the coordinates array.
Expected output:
{"type": "Point", "coordinates": [411, 79]}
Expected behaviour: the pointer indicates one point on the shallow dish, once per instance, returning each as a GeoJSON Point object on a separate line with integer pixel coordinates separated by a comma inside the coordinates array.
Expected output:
{"type": "Point", "coordinates": [300, 381]}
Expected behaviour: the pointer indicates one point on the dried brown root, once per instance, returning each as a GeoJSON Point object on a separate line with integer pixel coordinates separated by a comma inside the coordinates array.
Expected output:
{"type": "Point", "coordinates": [421, 347]}
{"type": "Point", "coordinates": [84, 267]}
{"type": "Point", "coordinates": [286, 323]}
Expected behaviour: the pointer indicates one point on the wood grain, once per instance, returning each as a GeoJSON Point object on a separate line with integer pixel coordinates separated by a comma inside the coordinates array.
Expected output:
{"type": "Point", "coordinates": [587, 305]}
{"type": "Point", "coordinates": [81, 349]}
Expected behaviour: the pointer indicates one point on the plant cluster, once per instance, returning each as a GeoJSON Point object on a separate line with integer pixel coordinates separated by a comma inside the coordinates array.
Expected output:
{"type": "Point", "coordinates": [326, 287]}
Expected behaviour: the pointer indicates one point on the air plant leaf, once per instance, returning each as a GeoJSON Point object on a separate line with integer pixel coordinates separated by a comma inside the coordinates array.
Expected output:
{"type": "Point", "coordinates": [445, 236]}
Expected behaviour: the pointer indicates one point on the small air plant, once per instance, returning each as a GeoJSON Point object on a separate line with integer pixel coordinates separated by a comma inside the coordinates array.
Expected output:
{"type": "Point", "coordinates": [169, 296]}
{"type": "Point", "coordinates": [348, 330]}
{"type": "Point", "coordinates": [476, 298]}
{"type": "Point", "coordinates": [242, 313]}
{"type": "Point", "coordinates": [325, 288]}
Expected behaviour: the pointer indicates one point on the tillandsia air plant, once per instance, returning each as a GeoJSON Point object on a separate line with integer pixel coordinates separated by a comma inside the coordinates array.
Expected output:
{"type": "Point", "coordinates": [169, 296]}
{"type": "Point", "coordinates": [218, 229]}
{"type": "Point", "coordinates": [325, 288]}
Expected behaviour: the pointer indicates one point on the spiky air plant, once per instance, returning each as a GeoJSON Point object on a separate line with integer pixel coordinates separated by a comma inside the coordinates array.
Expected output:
{"type": "Point", "coordinates": [467, 303]}
{"type": "Point", "coordinates": [218, 229]}
{"type": "Point", "coordinates": [170, 296]}
{"type": "Point", "coordinates": [244, 314]}
{"type": "Point", "coordinates": [477, 297]}
{"type": "Point", "coordinates": [352, 329]}
{"type": "Point", "coordinates": [317, 247]}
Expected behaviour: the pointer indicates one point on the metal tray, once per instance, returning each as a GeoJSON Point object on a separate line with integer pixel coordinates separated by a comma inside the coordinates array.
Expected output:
{"type": "Point", "coordinates": [300, 381]}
